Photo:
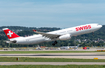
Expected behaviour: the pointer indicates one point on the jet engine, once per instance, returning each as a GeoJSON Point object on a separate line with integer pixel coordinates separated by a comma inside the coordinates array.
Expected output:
{"type": "Point", "coordinates": [65, 37]}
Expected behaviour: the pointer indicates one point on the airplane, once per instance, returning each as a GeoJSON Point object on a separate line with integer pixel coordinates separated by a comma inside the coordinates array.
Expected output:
{"type": "Point", "coordinates": [63, 34]}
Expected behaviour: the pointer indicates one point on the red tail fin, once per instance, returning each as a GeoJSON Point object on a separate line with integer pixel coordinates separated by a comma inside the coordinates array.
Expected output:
{"type": "Point", "coordinates": [10, 34]}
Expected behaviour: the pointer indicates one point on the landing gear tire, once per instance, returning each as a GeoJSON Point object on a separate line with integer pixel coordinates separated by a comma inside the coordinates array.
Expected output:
{"type": "Point", "coordinates": [55, 42]}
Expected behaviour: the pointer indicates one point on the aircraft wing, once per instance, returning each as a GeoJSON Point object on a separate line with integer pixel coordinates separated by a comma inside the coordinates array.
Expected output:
{"type": "Point", "coordinates": [51, 36]}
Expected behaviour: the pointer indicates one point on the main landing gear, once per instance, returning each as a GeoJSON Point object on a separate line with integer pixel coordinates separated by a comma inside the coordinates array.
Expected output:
{"type": "Point", "coordinates": [55, 42]}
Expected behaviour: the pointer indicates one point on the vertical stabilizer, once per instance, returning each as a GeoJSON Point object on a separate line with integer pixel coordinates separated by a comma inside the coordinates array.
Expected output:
{"type": "Point", "coordinates": [10, 34]}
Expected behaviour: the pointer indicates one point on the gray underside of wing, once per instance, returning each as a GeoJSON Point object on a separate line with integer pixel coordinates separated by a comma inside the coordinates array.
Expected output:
{"type": "Point", "coordinates": [51, 36]}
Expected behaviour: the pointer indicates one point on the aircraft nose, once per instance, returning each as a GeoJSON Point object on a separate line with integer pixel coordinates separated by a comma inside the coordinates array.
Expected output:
{"type": "Point", "coordinates": [100, 26]}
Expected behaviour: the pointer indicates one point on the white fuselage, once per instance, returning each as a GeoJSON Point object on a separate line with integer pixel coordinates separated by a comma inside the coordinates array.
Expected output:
{"type": "Point", "coordinates": [73, 31]}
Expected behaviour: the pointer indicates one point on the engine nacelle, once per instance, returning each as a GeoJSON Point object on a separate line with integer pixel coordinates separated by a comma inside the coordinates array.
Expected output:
{"type": "Point", "coordinates": [65, 37]}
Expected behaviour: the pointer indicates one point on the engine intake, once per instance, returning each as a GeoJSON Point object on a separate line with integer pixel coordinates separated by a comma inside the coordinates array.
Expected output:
{"type": "Point", "coordinates": [65, 37]}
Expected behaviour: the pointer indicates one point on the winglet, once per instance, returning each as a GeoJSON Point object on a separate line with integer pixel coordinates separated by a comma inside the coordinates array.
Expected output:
{"type": "Point", "coordinates": [34, 30]}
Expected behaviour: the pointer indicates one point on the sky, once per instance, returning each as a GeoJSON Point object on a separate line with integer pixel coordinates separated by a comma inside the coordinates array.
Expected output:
{"type": "Point", "coordinates": [51, 13]}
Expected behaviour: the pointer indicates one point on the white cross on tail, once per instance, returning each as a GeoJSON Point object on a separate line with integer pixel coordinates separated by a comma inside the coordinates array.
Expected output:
{"type": "Point", "coordinates": [10, 34]}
